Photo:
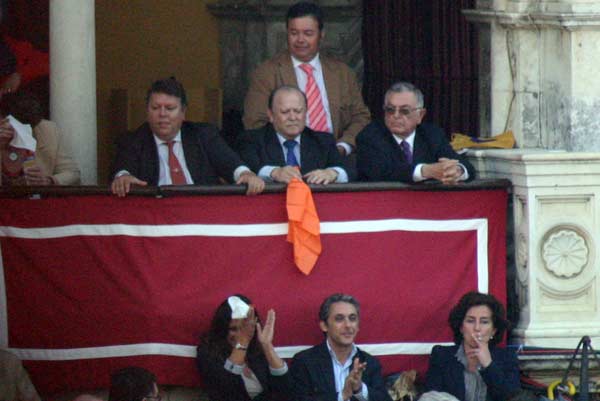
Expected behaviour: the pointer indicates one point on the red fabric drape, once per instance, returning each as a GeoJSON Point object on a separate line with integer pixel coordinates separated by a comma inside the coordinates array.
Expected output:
{"type": "Point", "coordinates": [86, 274]}
{"type": "Point", "coordinates": [430, 44]}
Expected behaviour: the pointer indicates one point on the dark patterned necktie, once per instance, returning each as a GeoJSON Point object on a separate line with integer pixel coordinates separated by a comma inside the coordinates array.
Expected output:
{"type": "Point", "coordinates": [406, 152]}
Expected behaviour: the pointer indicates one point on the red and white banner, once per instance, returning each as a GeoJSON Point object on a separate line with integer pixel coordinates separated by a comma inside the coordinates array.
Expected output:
{"type": "Point", "coordinates": [94, 283]}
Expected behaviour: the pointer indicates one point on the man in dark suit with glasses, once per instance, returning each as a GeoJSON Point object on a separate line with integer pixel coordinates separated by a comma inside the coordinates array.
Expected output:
{"type": "Point", "coordinates": [402, 148]}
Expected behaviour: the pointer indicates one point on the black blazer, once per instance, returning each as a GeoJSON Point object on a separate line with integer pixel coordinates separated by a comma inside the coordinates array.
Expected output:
{"type": "Point", "coordinates": [446, 373]}
{"type": "Point", "coordinates": [207, 155]}
{"type": "Point", "coordinates": [312, 371]}
{"type": "Point", "coordinates": [260, 147]}
{"type": "Point", "coordinates": [222, 385]}
{"type": "Point", "coordinates": [380, 158]}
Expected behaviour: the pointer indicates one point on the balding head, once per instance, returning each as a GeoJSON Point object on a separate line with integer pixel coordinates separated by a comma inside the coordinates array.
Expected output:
{"type": "Point", "coordinates": [287, 111]}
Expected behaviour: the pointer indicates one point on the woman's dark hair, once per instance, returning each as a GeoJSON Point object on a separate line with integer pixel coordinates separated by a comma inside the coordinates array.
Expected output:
{"type": "Point", "coordinates": [131, 384]}
{"type": "Point", "coordinates": [473, 298]}
{"type": "Point", "coordinates": [215, 339]}
{"type": "Point", "coordinates": [23, 106]}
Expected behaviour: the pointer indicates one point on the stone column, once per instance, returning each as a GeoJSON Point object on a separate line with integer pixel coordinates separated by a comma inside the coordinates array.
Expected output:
{"type": "Point", "coordinates": [73, 80]}
{"type": "Point", "coordinates": [539, 62]}
{"type": "Point", "coordinates": [539, 68]}
{"type": "Point", "coordinates": [556, 197]}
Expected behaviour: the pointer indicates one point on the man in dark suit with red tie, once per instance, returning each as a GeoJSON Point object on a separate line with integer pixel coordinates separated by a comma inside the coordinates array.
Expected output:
{"type": "Point", "coordinates": [402, 148]}
{"type": "Point", "coordinates": [166, 150]}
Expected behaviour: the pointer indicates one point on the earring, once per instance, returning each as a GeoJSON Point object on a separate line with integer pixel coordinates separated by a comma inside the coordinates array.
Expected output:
{"type": "Point", "coordinates": [492, 336]}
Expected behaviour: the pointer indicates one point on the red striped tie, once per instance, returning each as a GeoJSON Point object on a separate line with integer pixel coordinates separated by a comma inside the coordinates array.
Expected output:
{"type": "Point", "coordinates": [316, 112]}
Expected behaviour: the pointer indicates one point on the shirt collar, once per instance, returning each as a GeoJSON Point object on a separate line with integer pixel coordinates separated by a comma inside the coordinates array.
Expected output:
{"type": "Point", "coordinates": [334, 357]}
{"type": "Point", "coordinates": [282, 138]}
{"type": "Point", "coordinates": [315, 62]}
{"type": "Point", "coordinates": [159, 141]}
{"type": "Point", "coordinates": [410, 139]}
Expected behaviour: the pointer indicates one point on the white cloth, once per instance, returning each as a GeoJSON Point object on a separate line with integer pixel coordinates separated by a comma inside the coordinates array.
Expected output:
{"type": "Point", "coordinates": [239, 308]}
{"type": "Point", "coordinates": [23, 138]}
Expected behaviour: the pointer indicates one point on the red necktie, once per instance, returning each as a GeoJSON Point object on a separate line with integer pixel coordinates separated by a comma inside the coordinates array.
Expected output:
{"type": "Point", "coordinates": [177, 176]}
{"type": "Point", "coordinates": [316, 112]}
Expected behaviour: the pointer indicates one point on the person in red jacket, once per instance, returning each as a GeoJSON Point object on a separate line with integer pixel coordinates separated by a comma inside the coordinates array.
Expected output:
{"type": "Point", "coordinates": [20, 63]}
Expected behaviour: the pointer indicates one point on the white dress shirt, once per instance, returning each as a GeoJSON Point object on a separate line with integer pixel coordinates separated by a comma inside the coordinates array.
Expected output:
{"type": "Point", "coordinates": [318, 75]}
{"type": "Point", "coordinates": [251, 383]}
{"type": "Point", "coordinates": [164, 176]}
{"type": "Point", "coordinates": [341, 372]}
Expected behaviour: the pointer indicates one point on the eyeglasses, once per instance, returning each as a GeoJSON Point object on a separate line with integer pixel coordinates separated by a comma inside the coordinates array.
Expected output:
{"type": "Point", "coordinates": [404, 111]}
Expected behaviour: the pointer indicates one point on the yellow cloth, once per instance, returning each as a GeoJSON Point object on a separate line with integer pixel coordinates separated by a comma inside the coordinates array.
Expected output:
{"type": "Point", "coordinates": [505, 140]}
{"type": "Point", "coordinates": [304, 226]}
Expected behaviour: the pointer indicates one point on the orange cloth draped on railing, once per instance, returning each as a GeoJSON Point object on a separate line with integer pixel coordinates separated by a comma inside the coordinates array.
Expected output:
{"type": "Point", "coordinates": [304, 226]}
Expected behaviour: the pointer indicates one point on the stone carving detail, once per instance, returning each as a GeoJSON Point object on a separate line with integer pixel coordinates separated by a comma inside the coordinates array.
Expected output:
{"type": "Point", "coordinates": [522, 257]}
{"type": "Point", "coordinates": [565, 253]}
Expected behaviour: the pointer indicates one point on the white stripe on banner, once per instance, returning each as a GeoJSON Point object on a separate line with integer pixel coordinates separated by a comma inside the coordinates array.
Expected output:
{"type": "Point", "coordinates": [239, 230]}
{"type": "Point", "coordinates": [233, 230]}
{"type": "Point", "coordinates": [189, 351]}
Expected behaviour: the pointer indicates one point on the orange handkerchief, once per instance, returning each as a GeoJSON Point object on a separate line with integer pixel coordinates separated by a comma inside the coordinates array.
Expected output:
{"type": "Point", "coordinates": [304, 226]}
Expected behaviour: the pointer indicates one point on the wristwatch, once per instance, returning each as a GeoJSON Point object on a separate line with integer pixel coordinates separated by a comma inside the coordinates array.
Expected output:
{"type": "Point", "coordinates": [240, 346]}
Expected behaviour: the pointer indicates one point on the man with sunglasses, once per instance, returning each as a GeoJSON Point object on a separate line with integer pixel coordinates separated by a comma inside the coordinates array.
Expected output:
{"type": "Point", "coordinates": [404, 149]}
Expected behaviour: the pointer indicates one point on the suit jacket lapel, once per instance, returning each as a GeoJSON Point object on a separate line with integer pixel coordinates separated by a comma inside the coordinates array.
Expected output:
{"type": "Point", "coordinates": [326, 367]}
{"type": "Point", "coordinates": [309, 152]}
{"type": "Point", "coordinates": [419, 147]}
{"type": "Point", "coordinates": [149, 155]}
{"type": "Point", "coordinates": [190, 152]}
{"type": "Point", "coordinates": [286, 74]}
{"type": "Point", "coordinates": [333, 85]}
{"type": "Point", "coordinates": [273, 148]}
{"type": "Point", "coordinates": [397, 155]}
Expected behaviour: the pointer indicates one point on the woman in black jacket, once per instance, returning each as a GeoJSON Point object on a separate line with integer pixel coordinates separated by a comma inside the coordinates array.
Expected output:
{"type": "Point", "coordinates": [236, 357]}
{"type": "Point", "coordinates": [475, 369]}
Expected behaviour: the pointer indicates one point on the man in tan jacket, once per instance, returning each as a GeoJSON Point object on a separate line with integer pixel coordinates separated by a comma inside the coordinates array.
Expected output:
{"type": "Point", "coordinates": [345, 111]}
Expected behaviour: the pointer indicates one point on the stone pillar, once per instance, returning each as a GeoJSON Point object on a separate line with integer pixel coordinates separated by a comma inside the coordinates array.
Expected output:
{"type": "Point", "coordinates": [539, 66]}
{"type": "Point", "coordinates": [73, 80]}
{"type": "Point", "coordinates": [556, 206]}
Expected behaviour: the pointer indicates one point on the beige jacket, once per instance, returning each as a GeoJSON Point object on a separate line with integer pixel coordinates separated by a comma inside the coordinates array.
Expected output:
{"type": "Point", "coordinates": [349, 114]}
{"type": "Point", "coordinates": [51, 157]}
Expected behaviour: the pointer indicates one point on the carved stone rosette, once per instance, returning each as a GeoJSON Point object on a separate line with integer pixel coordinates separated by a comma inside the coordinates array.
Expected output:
{"type": "Point", "coordinates": [565, 252]}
